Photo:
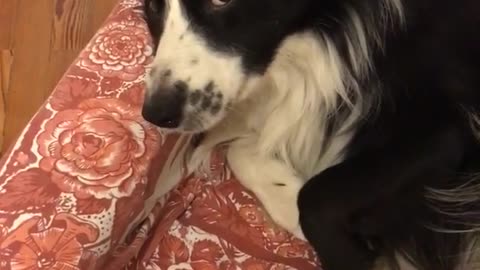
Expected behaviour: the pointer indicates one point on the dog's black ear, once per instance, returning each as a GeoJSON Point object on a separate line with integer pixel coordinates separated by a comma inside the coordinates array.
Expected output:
{"type": "Point", "coordinates": [155, 16]}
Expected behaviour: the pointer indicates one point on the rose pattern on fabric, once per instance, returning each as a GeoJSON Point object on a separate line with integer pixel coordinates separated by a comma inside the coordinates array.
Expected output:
{"type": "Point", "coordinates": [121, 49]}
{"type": "Point", "coordinates": [134, 94]}
{"type": "Point", "coordinates": [129, 3]}
{"type": "Point", "coordinates": [110, 84]}
{"type": "Point", "coordinates": [70, 91]}
{"type": "Point", "coordinates": [100, 149]}
{"type": "Point", "coordinates": [252, 214]}
{"type": "Point", "coordinates": [25, 193]}
{"type": "Point", "coordinates": [79, 188]}
{"type": "Point", "coordinates": [59, 246]}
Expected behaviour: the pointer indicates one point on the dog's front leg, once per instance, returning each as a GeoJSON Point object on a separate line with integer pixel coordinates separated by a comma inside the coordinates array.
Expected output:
{"type": "Point", "coordinates": [328, 201]}
{"type": "Point", "coordinates": [272, 182]}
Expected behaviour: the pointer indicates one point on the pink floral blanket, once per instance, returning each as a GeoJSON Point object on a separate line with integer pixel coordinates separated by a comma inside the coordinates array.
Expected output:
{"type": "Point", "coordinates": [85, 186]}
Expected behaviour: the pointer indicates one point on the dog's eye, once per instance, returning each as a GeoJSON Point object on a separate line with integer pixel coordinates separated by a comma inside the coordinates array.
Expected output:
{"type": "Point", "coordinates": [220, 3]}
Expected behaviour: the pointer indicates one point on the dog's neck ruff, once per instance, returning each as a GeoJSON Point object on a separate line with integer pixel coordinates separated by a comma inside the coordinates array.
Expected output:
{"type": "Point", "coordinates": [305, 109]}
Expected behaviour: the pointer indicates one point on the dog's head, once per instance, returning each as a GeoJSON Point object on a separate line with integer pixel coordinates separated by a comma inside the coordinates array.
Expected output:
{"type": "Point", "coordinates": [210, 55]}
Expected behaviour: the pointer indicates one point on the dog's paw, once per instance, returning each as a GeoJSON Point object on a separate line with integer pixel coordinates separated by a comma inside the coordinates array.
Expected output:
{"type": "Point", "coordinates": [274, 184]}
{"type": "Point", "coordinates": [299, 233]}
{"type": "Point", "coordinates": [280, 202]}
{"type": "Point", "coordinates": [282, 208]}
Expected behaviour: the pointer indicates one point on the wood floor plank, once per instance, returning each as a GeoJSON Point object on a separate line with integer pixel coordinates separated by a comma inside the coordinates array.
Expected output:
{"type": "Point", "coordinates": [7, 18]}
{"type": "Point", "coordinates": [32, 44]}
{"type": "Point", "coordinates": [39, 39]}
{"type": "Point", "coordinates": [6, 58]}
{"type": "Point", "coordinates": [59, 62]}
{"type": "Point", "coordinates": [72, 23]}
{"type": "Point", "coordinates": [102, 10]}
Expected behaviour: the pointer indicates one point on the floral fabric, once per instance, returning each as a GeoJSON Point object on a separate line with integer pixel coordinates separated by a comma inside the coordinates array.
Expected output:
{"type": "Point", "coordinates": [85, 186]}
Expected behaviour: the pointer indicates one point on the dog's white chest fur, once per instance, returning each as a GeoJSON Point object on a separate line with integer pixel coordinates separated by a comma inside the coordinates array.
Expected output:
{"type": "Point", "coordinates": [272, 151]}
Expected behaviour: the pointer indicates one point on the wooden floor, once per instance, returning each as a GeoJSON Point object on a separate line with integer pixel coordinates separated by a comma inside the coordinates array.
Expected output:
{"type": "Point", "coordinates": [38, 41]}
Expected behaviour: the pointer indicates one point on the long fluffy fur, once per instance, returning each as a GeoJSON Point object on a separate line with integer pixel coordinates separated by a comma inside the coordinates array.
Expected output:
{"type": "Point", "coordinates": [306, 86]}
{"type": "Point", "coordinates": [299, 118]}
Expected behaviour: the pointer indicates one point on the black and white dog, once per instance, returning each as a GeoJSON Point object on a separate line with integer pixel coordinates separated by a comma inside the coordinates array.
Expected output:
{"type": "Point", "coordinates": [353, 121]}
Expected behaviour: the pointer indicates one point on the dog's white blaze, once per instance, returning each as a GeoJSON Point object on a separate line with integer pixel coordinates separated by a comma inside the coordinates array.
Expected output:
{"type": "Point", "coordinates": [189, 58]}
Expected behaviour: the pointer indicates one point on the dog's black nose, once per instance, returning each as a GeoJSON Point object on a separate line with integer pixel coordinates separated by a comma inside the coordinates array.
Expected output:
{"type": "Point", "coordinates": [164, 108]}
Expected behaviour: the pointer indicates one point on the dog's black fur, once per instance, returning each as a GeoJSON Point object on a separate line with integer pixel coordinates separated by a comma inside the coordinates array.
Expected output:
{"type": "Point", "coordinates": [419, 137]}
{"type": "Point", "coordinates": [426, 82]}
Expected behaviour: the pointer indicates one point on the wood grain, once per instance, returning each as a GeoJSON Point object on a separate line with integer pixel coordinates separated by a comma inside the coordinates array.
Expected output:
{"type": "Point", "coordinates": [71, 22]}
{"type": "Point", "coordinates": [31, 49]}
{"type": "Point", "coordinates": [102, 10]}
{"type": "Point", "coordinates": [59, 62]}
{"type": "Point", "coordinates": [39, 39]}
{"type": "Point", "coordinates": [7, 17]}
{"type": "Point", "coordinates": [6, 59]}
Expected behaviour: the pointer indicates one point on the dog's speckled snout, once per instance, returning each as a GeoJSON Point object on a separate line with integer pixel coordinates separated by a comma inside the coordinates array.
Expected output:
{"type": "Point", "coordinates": [172, 103]}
